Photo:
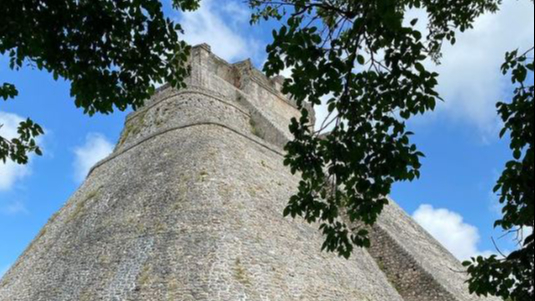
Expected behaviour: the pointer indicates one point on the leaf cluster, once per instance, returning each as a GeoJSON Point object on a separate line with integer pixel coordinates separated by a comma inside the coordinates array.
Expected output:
{"type": "Point", "coordinates": [8, 91]}
{"type": "Point", "coordinates": [113, 53]}
{"type": "Point", "coordinates": [17, 149]}
{"type": "Point", "coordinates": [369, 68]}
{"type": "Point", "coordinates": [512, 277]}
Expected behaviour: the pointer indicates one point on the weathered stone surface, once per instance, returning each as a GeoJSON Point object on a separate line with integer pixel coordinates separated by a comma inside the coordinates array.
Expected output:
{"type": "Point", "coordinates": [189, 207]}
{"type": "Point", "coordinates": [414, 262]}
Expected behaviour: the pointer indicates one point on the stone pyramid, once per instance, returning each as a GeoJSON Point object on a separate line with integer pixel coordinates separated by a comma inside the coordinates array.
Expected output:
{"type": "Point", "coordinates": [189, 208]}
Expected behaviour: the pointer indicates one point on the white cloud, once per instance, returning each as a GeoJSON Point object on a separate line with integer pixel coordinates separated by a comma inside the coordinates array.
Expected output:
{"type": "Point", "coordinates": [519, 237]}
{"type": "Point", "coordinates": [14, 208]}
{"type": "Point", "coordinates": [526, 233]}
{"type": "Point", "coordinates": [96, 148]}
{"type": "Point", "coordinates": [10, 172]}
{"type": "Point", "coordinates": [211, 24]}
{"type": "Point", "coordinates": [450, 230]}
{"type": "Point", "coordinates": [240, 13]}
{"type": "Point", "coordinates": [470, 79]}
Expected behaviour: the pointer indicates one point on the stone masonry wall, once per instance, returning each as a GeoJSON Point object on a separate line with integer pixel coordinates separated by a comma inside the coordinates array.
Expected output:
{"type": "Point", "coordinates": [417, 265]}
{"type": "Point", "coordinates": [404, 272]}
{"type": "Point", "coordinates": [237, 87]}
{"type": "Point", "coordinates": [189, 208]}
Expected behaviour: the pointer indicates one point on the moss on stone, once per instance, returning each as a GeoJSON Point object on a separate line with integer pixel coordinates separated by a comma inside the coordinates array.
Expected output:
{"type": "Point", "coordinates": [53, 217]}
{"type": "Point", "coordinates": [254, 129]}
{"type": "Point", "coordinates": [202, 176]}
{"type": "Point", "coordinates": [32, 244]}
{"type": "Point", "coordinates": [265, 165]}
{"type": "Point", "coordinates": [172, 289]}
{"type": "Point", "coordinates": [133, 127]}
{"type": "Point", "coordinates": [241, 274]}
{"type": "Point", "coordinates": [144, 276]}
{"type": "Point", "coordinates": [104, 258]}
{"type": "Point", "coordinates": [253, 191]}
{"type": "Point", "coordinates": [161, 227]}
{"type": "Point", "coordinates": [87, 295]}
{"type": "Point", "coordinates": [81, 206]}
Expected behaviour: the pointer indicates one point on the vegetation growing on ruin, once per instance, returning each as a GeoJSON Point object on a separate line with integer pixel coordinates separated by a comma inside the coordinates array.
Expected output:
{"type": "Point", "coordinates": [241, 274]}
{"type": "Point", "coordinates": [133, 127]}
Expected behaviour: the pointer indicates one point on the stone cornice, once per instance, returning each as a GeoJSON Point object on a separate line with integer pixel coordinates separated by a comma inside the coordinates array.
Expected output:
{"type": "Point", "coordinates": [176, 128]}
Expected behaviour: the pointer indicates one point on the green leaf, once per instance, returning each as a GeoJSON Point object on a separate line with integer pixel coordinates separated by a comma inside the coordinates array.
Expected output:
{"type": "Point", "coordinates": [8, 91]}
{"type": "Point", "coordinates": [420, 67]}
{"type": "Point", "coordinates": [517, 154]}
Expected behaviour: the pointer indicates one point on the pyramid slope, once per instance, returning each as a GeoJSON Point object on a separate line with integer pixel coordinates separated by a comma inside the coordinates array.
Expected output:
{"type": "Point", "coordinates": [202, 223]}
{"type": "Point", "coordinates": [414, 262]}
{"type": "Point", "coordinates": [188, 207]}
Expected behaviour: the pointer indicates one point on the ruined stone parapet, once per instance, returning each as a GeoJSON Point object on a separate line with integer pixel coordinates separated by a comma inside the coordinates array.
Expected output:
{"type": "Point", "coordinates": [234, 95]}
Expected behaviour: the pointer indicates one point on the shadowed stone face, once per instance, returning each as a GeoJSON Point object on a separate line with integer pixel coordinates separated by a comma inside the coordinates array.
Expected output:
{"type": "Point", "coordinates": [189, 207]}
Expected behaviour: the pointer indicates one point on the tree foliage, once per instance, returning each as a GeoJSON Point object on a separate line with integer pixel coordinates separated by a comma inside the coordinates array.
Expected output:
{"type": "Point", "coordinates": [113, 52]}
{"type": "Point", "coordinates": [359, 57]}
{"type": "Point", "coordinates": [512, 276]}
{"type": "Point", "coordinates": [368, 65]}
{"type": "Point", "coordinates": [17, 149]}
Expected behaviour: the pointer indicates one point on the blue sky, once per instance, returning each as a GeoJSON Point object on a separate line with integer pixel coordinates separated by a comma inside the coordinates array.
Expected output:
{"type": "Point", "coordinates": [453, 200]}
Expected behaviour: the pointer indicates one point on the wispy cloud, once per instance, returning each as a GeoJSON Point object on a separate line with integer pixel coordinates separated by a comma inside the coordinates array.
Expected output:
{"type": "Point", "coordinates": [14, 208]}
{"type": "Point", "coordinates": [219, 26]}
{"type": "Point", "coordinates": [95, 148]}
{"type": "Point", "coordinates": [470, 79]}
{"type": "Point", "coordinates": [450, 229]}
{"type": "Point", "coordinates": [240, 13]}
